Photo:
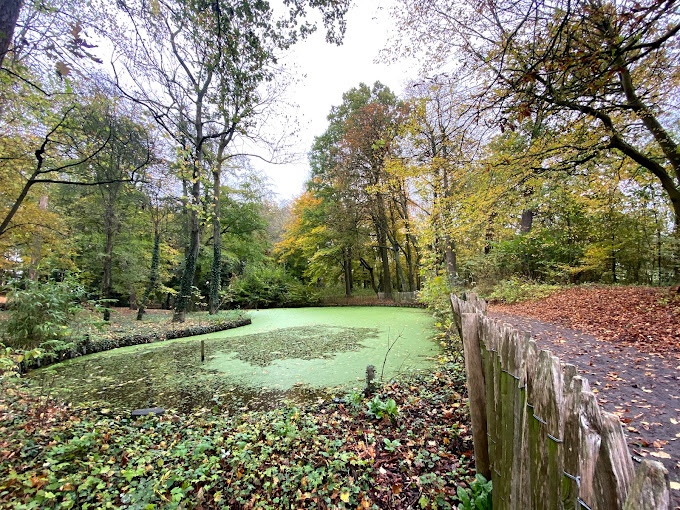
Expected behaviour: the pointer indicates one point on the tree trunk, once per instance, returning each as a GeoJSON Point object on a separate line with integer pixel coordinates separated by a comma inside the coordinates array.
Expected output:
{"type": "Point", "coordinates": [153, 275]}
{"type": "Point", "coordinates": [369, 268]}
{"type": "Point", "coordinates": [401, 280]}
{"type": "Point", "coordinates": [216, 269]}
{"type": "Point", "coordinates": [489, 233]}
{"type": "Point", "coordinates": [527, 221]}
{"type": "Point", "coordinates": [347, 270]}
{"type": "Point", "coordinates": [132, 293]}
{"type": "Point", "coordinates": [9, 14]}
{"type": "Point", "coordinates": [381, 227]}
{"type": "Point", "coordinates": [614, 277]}
{"type": "Point", "coordinates": [109, 227]}
{"type": "Point", "coordinates": [36, 251]}
{"type": "Point", "coordinates": [187, 282]}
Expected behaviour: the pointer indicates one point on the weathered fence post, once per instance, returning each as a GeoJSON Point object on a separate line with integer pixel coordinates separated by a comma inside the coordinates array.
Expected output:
{"type": "Point", "coordinates": [538, 430]}
{"type": "Point", "coordinates": [650, 488]}
{"type": "Point", "coordinates": [476, 392]}
{"type": "Point", "coordinates": [370, 380]}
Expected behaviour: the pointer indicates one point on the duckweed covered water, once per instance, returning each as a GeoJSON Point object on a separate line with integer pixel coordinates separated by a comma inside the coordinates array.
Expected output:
{"type": "Point", "coordinates": [300, 355]}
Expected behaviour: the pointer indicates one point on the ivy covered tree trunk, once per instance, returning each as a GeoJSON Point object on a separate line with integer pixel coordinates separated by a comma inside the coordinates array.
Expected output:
{"type": "Point", "coordinates": [153, 276]}
{"type": "Point", "coordinates": [216, 270]}
{"type": "Point", "coordinates": [189, 270]}
{"type": "Point", "coordinates": [107, 285]}
{"type": "Point", "coordinates": [347, 266]}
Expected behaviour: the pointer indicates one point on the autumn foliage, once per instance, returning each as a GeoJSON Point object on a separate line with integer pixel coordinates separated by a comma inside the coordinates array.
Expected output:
{"type": "Point", "coordinates": [648, 317]}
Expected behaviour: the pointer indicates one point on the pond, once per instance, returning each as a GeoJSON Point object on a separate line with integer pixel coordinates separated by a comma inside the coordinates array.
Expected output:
{"type": "Point", "coordinates": [300, 355]}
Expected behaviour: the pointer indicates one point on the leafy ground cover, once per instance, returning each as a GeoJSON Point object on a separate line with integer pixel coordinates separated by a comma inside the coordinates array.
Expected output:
{"type": "Point", "coordinates": [646, 317]}
{"type": "Point", "coordinates": [89, 334]}
{"type": "Point", "coordinates": [123, 322]}
{"type": "Point", "coordinates": [406, 447]}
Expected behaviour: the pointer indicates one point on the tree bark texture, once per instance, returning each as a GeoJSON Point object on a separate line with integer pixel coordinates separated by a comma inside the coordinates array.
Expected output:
{"type": "Point", "coordinates": [9, 14]}
{"type": "Point", "coordinates": [216, 269]}
{"type": "Point", "coordinates": [153, 274]}
{"type": "Point", "coordinates": [189, 270]}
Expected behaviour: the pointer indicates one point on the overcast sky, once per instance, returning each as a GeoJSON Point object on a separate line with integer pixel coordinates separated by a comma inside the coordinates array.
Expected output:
{"type": "Point", "coordinates": [327, 71]}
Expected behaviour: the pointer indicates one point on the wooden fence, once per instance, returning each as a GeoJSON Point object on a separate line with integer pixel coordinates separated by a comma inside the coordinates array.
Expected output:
{"type": "Point", "coordinates": [538, 431]}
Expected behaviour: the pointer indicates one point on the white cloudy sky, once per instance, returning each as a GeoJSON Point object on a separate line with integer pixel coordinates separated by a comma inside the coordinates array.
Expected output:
{"type": "Point", "coordinates": [326, 72]}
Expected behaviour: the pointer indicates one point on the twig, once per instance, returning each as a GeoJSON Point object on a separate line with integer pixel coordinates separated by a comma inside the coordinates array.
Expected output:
{"type": "Point", "coordinates": [389, 348]}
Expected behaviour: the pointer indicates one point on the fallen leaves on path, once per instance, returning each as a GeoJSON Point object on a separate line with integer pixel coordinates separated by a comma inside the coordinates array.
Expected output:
{"type": "Point", "coordinates": [647, 317]}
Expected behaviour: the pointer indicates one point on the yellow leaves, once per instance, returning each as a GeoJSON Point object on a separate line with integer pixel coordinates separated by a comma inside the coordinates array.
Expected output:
{"type": "Point", "coordinates": [344, 496]}
{"type": "Point", "coordinates": [660, 455]}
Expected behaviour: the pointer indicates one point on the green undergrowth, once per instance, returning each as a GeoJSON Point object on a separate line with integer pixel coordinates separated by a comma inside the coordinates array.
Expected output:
{"type": "Point", "coordinates": [154, 322]}
{"type": "Point", "coordinates": [407, 446]}
{"type": "Point", "coordinates": [516, 290]}
{"type": "Point", "coordinates": [88, 335]}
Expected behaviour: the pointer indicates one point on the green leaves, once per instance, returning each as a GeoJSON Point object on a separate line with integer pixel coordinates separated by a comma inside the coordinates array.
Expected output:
{"type": "Point", "coordinates": [477, 497]}
{"type": "Point", "coordinates": [40, 311]}
{"type": "Point", "coordinates": [380, 409]}
{"type": "Point", "coordinates": [285, 458]}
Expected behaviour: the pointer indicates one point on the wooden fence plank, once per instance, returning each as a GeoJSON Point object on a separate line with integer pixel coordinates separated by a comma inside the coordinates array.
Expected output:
{"type": "Point", "coordinates": [497, 472]}
{"type": "Point", "coordinates": [573, 387]}
{"type": "Point", "coordinates": [549, 444]}
{"type": "Point", "coordinates": [519, 488]}
{"type": "Point", "coordinates": [476, 391]}
{"type": "Point", "coordinates": [590, 425]}
{"type": "Point", "coordinates": [548, 426]}
{"type": "Point", "coordinates": [614, 471]}
{"type": "Point", "coordinates": [650, 489]}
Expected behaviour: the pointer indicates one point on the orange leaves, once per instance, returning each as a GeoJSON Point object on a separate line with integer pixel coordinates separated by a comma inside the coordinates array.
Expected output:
{"type": "Point", "coordinates": [647, 317]}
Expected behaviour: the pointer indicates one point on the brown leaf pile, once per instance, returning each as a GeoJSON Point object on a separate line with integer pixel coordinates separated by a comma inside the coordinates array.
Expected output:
{"type": "Point", "coordinates": [648, 317]}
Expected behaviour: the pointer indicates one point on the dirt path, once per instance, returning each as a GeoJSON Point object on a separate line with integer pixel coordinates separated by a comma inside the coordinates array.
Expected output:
{"type": "Point", "coordinates": [642, 388]}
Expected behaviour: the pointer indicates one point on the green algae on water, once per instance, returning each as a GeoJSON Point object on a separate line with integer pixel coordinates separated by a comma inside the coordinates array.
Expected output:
{"type": "Point", "coordinates": [306, 342]}
{"type": "Point", "coordinates": [301, 355]}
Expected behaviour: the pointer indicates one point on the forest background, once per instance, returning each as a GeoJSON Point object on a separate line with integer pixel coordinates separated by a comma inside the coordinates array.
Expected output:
{"type": "Point", "coordinates": [538, 148]}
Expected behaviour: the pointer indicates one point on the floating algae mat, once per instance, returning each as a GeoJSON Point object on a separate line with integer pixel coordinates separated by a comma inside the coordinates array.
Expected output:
{"type": "Point", "coordinates": [300, 355]}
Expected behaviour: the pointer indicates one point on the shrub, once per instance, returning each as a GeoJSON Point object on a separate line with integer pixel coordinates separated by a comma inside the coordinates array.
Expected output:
{"type": "Point", "coordinates": [518, 289]}
{"type": "Point", "coordinates": [382, 408]}
{"type": "Point", "coordinates": [436, 294]}
{"type": "Point", "coordinates": [41, 311]}
{"type": "Point", "coordinates": [268, 286]}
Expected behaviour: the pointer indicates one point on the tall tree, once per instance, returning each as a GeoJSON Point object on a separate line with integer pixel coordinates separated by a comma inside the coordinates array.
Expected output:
{"type": "Point", "coordinates": [608, 69]}
{"type": "Point", "coordinates": [9, 13]}
{"type": "Point", "coordinates": [190, 58]}
{"type": "Point", "coordinates": [353, 154]}
{"type": "Point", "coordinates": [128, 152]}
